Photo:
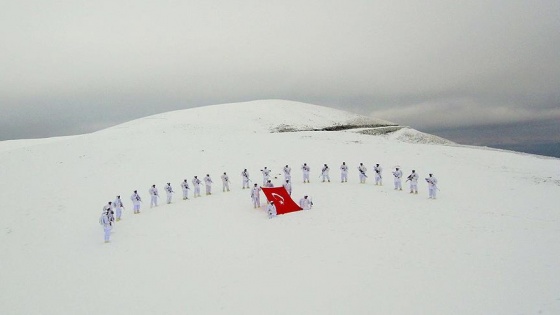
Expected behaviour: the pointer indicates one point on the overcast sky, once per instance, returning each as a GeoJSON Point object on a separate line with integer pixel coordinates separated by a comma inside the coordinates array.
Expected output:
{"type": "Point", "coordinates": [73, 66]}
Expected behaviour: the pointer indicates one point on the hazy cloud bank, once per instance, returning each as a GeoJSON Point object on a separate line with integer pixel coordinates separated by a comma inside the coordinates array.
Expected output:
{"type": "Point", "coordinates": [71, 67]}
{"type": "Point", "coordinates": [462, 113]}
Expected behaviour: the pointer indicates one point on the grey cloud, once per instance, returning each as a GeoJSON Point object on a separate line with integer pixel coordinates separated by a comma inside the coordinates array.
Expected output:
{"type": "Point", "coordinates": [451, 113]}
{"type": "Point", "coordinates": [542, 132]}
{"type": "Point", "coordinates": [92, 64]}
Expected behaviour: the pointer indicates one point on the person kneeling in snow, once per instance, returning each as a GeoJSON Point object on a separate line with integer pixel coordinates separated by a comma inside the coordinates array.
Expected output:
{"type": "Point", "coordinates": [305, 203]}
{"type": "Point", "coordinates": [271, 210]}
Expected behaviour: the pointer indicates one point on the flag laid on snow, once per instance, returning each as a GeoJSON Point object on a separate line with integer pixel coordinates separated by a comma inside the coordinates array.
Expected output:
{"type": "Point", "coordinates": [281, 198]}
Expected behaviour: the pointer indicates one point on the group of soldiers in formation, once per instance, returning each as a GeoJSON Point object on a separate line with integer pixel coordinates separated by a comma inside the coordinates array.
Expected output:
{"type": "Point", "coordinates": [112, 211]}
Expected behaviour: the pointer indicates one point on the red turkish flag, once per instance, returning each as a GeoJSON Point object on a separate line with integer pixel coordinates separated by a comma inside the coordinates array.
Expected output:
{"type": "Point", "coordinates": [281, 198]}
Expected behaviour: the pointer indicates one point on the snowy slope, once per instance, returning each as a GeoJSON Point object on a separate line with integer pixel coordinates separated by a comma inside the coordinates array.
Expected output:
{"type": "Point", "coordinates": [487, 245]}
{"type": "Point", "coordinates": [17, 144]}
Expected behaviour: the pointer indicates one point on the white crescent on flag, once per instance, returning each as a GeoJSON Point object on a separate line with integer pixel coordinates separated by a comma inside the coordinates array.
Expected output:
{"type": "Point", "coordinates": [278, 197]}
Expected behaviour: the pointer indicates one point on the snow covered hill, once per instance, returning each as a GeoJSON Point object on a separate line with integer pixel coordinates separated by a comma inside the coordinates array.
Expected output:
{"type": "Point", "coordinates": [487, 245]}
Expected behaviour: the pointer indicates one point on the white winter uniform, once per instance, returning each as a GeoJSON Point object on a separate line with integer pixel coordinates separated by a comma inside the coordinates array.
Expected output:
{"type": "Point", "coordinates": [271, 210]}
{"type": "Point", "coordinates": [378, 176]}
{"type": "Point", "coordinates": [196, 184]}
{"type": "Point", "coordinates": [305, 203]}
{"type": "Point", "coordinates": [398, 179]}
{"type": "Point", "coordinates": [118, 207]}
{"type": "Point", "coordinates": [107, 207]}
{"type": "Point", "coordinates": [287, 173]}
{"type": "Point", "coordinates": [266, 175]}
{"type": "Point", "coordinates": [245, 176]}
{"type": "Point", "coordinates": [154, 196]}
{"type": "Point", "coordinates": [325, 173]}
{"type": "Point", "coordinates": [185, 187]}
{"type": "Point", "coordinates": [105, 220]}
{"type": "Point", "coordinates": [136, 202]}
{"type": "Point", "coordinates": [256, 196]}
{"type": "Point", "coordinates": [288, 187]}
{"type": "Point", "coordinates": [208, 182]}
{"type": "Point", "coordinates": [432, 186]}
{"type": "Point", "coordinates": [306, 169]}
{"type": "Point", "coordinates": [413, 177]}
{"type": "Point", "coordinates": [169, 192]}
{"type": "Point", "coordinates": [343, 173]}
{"type": "Point", "coordinates": [362, 171]}
{"type": "Point", "coordinates": [225, 182]}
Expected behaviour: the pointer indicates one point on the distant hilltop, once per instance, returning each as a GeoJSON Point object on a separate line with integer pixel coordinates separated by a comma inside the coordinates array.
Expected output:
{"type": "Point", "coordinates": [277, 116]}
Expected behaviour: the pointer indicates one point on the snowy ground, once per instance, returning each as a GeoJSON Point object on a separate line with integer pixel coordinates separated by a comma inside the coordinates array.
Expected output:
{"type": "Point", "coordinates": [488, 245]}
